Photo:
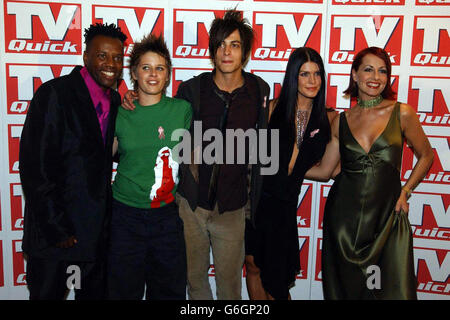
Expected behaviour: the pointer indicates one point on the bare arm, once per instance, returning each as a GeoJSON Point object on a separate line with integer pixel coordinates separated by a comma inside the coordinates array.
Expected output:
{"type": "Point", "coordinates": [272, 105]}
{"type": "Point", "coordinates": [330, 161]}
{"type": "Point", "coordinates": [331, 114]}
{"type": "Point", "coordinates": [336, 170]}
{"type": "Point", "coordinates": [413, 132]}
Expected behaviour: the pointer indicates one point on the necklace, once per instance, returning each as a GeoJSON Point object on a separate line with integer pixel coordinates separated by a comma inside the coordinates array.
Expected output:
{"type": "Point", "coordinates": [301, 120]}
{"type": "Point", "coordinates": [369, 103]}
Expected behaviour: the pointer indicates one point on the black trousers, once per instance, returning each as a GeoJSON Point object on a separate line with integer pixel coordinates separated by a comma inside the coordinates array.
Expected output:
{"type": "Point", "coordinates": [52, 279]}
{"type": "Point", "coordinates": [147, 250]}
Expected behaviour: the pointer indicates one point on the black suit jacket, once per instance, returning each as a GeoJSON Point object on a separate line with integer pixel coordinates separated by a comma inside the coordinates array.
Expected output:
{"type": "Point", "coordinates": [65, 170]}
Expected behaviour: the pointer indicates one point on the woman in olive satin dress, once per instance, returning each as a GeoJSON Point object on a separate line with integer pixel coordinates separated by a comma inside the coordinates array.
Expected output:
{"type": "Point", "coordinates": [367, 241]}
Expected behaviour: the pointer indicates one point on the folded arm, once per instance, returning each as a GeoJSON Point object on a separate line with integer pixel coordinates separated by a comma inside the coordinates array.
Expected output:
{"type": "Point", "coordinates": [328, 167]}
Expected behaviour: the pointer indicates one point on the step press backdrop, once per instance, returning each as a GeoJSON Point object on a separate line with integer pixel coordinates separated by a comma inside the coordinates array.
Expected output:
{"type": "Point", "coordinates": [41, 40]}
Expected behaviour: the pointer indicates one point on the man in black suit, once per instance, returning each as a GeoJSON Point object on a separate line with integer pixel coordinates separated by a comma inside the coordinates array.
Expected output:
{"type": "Point", "coordinates": [65, 169]}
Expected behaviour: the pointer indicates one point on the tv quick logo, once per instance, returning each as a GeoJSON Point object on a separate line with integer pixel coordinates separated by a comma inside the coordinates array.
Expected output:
{"type": "Point", "coordinates": [135, 22]}
{"type": "Point", "coordinates": [432, 2]}
{"type": "Point", "coordinates": [42, 28]}
{"type": "Point", "coordinates": [324, 190]}
{"type": "Point", "coordinates": [318, 271]}
{"type": "Point", "coordinates": [430, 216]}
{"type": "Point", "coordinates": [370, 2]}
{"type": "Point", "coordinates": [431, 96]}
{"type": "Point", "coordinates": [17, 202]}
{"type": "Point", "coordinates": [14, 133]}
{"type": "Point", "coordinates": [22, 81]}
{"type": "Point", "coordinates": [303, 243]}
{"type": "Point", "coordinates": [351, 34]}
{"type": "Point", "coordinates": [336, 85]}
{"type": "Point", "coordinates": [431, 36]}
{"type": "Point", "coordinates": [433, 270]}
{"type": "Point", "coordinates": [125, 83]}
{"type": "Point", "coordinates": [19, 273]}
{"type": "Point", "coordinates": [304, 206]}
{"type": "Point", "coordinates": [439, 172]}
{"type": "Point", "coordinates": [273, 78]}
{"type": "Point", "coordinates": [182, 74]}
{"type": "Point", "coordinates": [191, 32]}
{"type": "Point", "coordinates": [278, 34]}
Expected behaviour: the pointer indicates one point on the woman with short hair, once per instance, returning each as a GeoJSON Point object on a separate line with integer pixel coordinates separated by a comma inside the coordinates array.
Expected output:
{"type": "Point", "coordinates": [147, 245]}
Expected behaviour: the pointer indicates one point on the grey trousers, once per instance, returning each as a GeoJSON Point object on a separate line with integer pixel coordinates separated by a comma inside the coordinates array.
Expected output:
{"type": "Point", "coordinates": [224, 234]}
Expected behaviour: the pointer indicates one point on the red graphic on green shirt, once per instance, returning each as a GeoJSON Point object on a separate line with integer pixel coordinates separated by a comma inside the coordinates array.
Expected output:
{"type": "Point", "coordinates": [166, 177]}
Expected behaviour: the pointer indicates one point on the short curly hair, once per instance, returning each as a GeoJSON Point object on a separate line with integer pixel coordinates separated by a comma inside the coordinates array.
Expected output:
{"type": "Point", "coordinates": [107, 30]}
{"type": "Point", "coordinates": [150, 43]}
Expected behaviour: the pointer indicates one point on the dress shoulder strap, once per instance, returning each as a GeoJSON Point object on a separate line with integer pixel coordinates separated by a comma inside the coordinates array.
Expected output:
{"type": "Point", "coordinates": [397, 116]}
{"type": "Point", "coordinates": [342, 119]}
{"type": "Point", "coordinates": [397, 110]}
{"type": "Point", "coordinates": [396, 113]}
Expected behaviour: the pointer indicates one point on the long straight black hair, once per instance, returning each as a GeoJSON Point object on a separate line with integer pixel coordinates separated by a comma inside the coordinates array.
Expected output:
{"type": "Point", "coordinates": [286, 105]}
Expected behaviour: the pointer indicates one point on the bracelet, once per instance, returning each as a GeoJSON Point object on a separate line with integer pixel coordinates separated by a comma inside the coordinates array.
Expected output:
{"type": "Point", "coordinates": [408, 192]}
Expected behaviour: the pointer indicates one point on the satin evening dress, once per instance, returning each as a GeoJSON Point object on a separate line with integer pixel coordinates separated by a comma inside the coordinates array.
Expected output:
{"type": "Point", "coordinates": [367, 248]}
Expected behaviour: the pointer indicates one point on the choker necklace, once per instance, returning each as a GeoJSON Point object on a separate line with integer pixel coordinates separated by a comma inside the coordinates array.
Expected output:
{"type": "Point", "coordinates": [369, 103]}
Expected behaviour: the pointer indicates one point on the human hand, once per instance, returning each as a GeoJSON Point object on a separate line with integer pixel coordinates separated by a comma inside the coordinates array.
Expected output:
{"type": "Point", "coordinates": [128, 99]}
{"type": "Point", "coordinates": [402, 204]}
{"type": "Point", "coordinates": [68, 243]}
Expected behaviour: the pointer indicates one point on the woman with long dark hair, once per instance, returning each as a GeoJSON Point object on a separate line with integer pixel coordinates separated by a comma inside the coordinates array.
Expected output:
{"type": "Point", "coordinates": [300, 116]}
{"type": "Point", "coordinates": [367, 241]}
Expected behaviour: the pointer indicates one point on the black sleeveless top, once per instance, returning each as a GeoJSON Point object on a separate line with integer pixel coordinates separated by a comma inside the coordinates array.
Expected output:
{"type": "Point", "coordinates": [273, 241]}
{"type": "Point", "coordinates": [280, 185]}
